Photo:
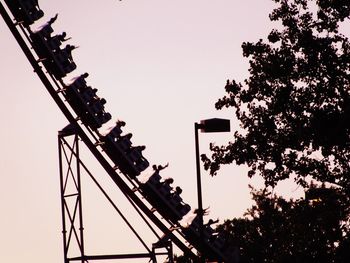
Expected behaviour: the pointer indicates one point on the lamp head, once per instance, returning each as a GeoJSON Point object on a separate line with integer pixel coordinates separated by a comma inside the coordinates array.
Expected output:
{"type": "Point", "coordinates": [215, 125]}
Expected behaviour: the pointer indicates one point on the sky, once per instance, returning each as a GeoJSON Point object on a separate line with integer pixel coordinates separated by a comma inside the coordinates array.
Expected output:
{"type": "Point", "coordinates": [161, 65]}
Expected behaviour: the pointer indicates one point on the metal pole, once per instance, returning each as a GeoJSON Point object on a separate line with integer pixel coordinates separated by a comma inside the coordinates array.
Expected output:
{"type": "Point", "coordinates": [64, 230]}
{"type": "Point", "coordinates": [199, 184]}
{"type": "Point", "coordinates": [81, 226]}
{"type": "Point", "coordinates": [198, 168]}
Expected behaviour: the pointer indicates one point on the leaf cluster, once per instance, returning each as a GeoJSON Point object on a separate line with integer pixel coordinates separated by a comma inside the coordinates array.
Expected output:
{"type": "Point", "coordinates": [294, 109]}
{"type": "Point", "coordinates": [309, 230]}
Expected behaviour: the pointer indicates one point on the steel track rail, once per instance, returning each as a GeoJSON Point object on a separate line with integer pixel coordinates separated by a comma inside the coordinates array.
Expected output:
{"type": "Point", "coordinates": [90, 145]}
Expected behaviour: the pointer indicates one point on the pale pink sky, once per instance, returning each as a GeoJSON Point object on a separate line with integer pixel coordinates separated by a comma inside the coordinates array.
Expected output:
{"type": "Point", "coordinates": [161, 65]}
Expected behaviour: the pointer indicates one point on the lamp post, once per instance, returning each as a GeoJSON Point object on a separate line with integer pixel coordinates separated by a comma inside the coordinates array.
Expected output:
{"type": "Point", "coordinates": [209, 125]}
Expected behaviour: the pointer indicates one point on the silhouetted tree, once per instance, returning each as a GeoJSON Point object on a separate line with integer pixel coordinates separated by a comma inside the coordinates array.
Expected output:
{"type": "Point", "coordinates": [294, 109]}
{"type": "Point", "coordinates": [294, 114]}
{"type": "Point", "coordinates": [307, 230]}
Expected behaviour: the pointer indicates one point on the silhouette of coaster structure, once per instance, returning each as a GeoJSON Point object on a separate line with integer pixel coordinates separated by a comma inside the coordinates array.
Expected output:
{"type": "Point", "coordinates": [141, 183]}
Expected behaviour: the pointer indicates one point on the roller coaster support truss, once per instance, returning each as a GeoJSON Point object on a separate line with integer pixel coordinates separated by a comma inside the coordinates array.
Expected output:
{"type": "Point", "coordinates": [70, 166]}
{"type": "Point", "coordinates": [71, 202]}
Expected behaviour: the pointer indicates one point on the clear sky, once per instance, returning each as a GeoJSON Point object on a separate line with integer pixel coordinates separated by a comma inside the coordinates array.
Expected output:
{"type": "Point", "coordinates": [161, 65]}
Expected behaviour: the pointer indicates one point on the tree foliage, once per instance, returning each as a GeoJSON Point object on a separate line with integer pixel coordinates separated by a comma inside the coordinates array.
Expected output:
{"type": "Point", "coordinates": [294, 109]}
{"type": "Point", "coordinates": [276, 230]}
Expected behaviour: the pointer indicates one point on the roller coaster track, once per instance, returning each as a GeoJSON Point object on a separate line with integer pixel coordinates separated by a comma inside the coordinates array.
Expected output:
{"type": "Point", "coordinates": [85, 112]}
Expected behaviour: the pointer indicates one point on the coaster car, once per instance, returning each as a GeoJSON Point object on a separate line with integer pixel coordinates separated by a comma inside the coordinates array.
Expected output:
{"type": "Point", "coordinates": [25, 12]}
